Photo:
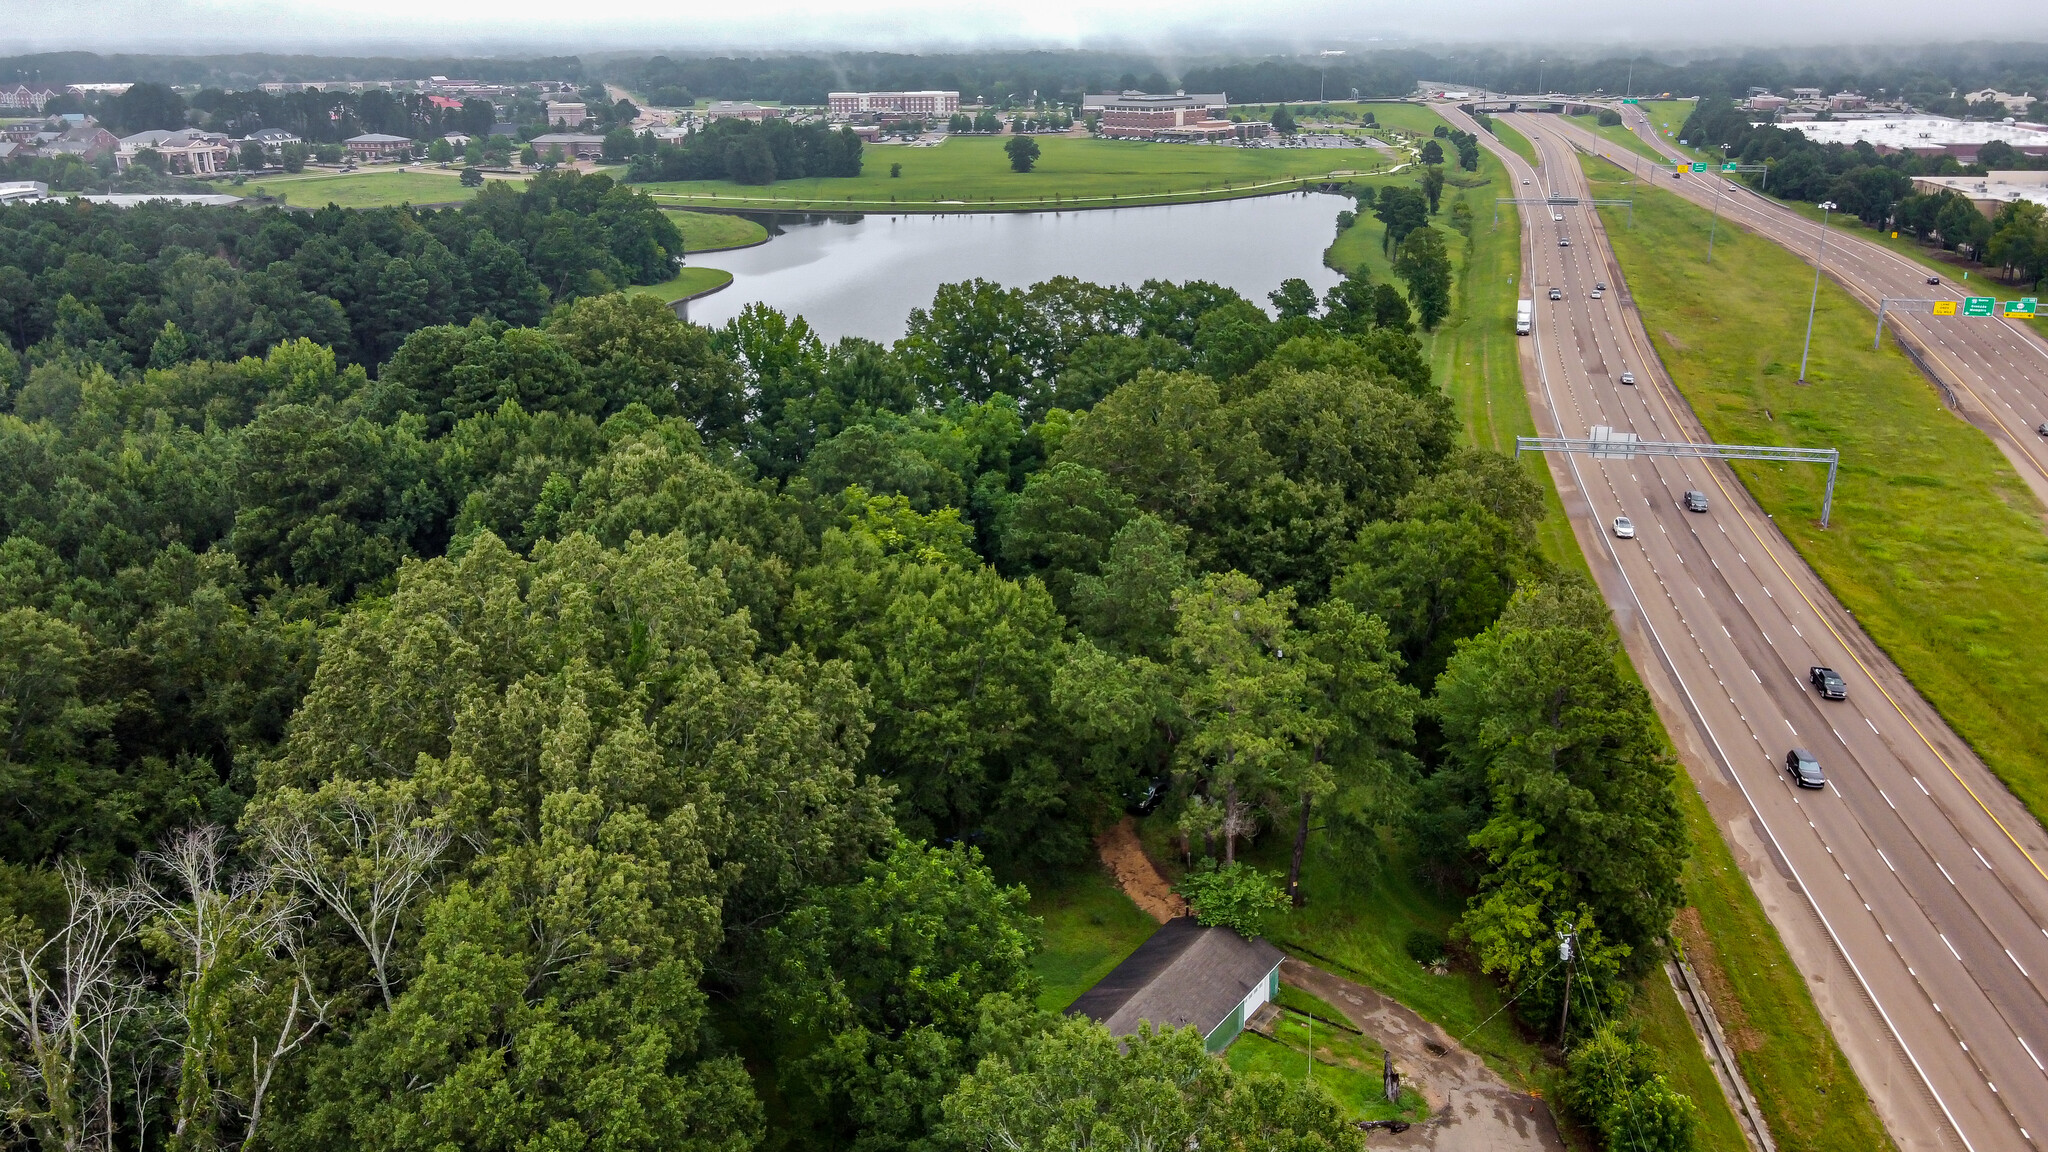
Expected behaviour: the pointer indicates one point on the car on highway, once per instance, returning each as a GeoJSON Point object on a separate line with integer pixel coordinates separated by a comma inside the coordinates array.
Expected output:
{"type": "Point", "coordinates": [1599, 285]}
{"type": "Point", "coordinates": [1556, 294]}
{"type": "Point", "coordinates": [1695, 500]}
{"type": "Point", "coordinates": [2042, 430]}
{"type": "Point", "coordinates": [1628, 377]}
{"type": "Point", "coordinates": [1829, 682]}
{"type": "Point", "coordinates": [1624, 528]}
{"type": "Point", "coordinates": [1525, 183]}
{"type": "Point", "coordinates": [1934, 279]}
{"type": "Point", "coordinates": [1595, 294]}
{"type": "Point", "coordinates": [1805, 769]}
{"type": "Point", "coordinates": [1557, 215]}
{"type": "Point", "coordinates": [1564, 241]}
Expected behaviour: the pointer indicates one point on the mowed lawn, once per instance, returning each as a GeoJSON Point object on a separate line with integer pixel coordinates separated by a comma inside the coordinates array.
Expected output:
{"type": "Point", "coordinates": [712, 231]}
{"type": "Point", "coordinates": [690, 281]}
{"type": "Point", "coordinates": [373, 189]}
{"type": "Point", "coordinates": [1937, 545]}
{"type": "Point", "coordinates": [974, 174]}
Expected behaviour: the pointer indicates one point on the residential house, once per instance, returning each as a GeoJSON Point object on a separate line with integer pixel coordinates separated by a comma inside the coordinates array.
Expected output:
{"type": "Point", "coordinates": [188, 150]}
{"type": "Point", "coordinates": [274, 138]}
{"type": "Point", "coordinates": [1185, 975]}
{"type": "Point", "coordinates": [377, 146]}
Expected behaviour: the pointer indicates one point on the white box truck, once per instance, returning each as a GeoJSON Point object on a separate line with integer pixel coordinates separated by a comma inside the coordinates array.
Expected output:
{"type": "Point", "coordinates": [1524, 313]}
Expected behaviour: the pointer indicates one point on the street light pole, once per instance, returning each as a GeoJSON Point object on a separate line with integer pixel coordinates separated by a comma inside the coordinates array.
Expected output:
{"type": "Point", "coordinates": [1826, 206]}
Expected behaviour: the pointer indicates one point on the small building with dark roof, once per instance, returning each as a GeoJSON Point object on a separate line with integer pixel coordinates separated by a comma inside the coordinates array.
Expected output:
{"type": "Point", "coordinates": [1211, 979]}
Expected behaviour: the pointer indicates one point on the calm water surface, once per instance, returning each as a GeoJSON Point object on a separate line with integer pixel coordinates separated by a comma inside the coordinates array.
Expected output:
{"type": "Point", "coordinates": [861, 275]}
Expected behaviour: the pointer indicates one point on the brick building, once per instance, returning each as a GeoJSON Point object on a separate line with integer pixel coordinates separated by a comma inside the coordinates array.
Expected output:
{"type": "Point", "coordinates": [1180, 116]}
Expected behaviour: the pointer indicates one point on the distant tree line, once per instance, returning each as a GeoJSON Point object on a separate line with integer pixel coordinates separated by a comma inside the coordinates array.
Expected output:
{"type": "Point", "coordinates": [247, 69]}
{"type": "Point", "coordinates": [746, 151]}
{"type": "Point", "coordinates": [160, 284]}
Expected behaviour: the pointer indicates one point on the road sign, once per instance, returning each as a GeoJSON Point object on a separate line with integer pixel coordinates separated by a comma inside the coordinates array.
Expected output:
{"type": "Point", "coordinates": [1628, 100]}
{"type": "Point", "coordinates": [1699, 167]}
{"type": "Point", "coordinates": [1979, 306]}
{"type": "Point", "coordinates": [1730, 167]}
{"type": "Point", "coordinates": [1944, 307]}
{"type": "Point", "coordinates": [2021, 309]}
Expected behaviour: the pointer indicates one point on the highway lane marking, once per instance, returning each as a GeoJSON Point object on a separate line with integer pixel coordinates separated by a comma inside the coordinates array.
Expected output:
{"type": "Point", "coordinates": [1888, 800]}
{"type": "Point", "coordinates": [1981, 859]}
{"type": "Point", "coordinates": [2030, 1051]}
{"type": "Point", "coordinates": [1951, 881]}
{"type": "Point", "coordinates": [2023, 970]}
{"type": "Point", "coordinates": [1873, 727]}
{"type": "Point", "coordinates": [1959, 959]}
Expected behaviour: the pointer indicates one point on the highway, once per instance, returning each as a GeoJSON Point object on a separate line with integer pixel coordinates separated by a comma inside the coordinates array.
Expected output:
{"type": "Point", "coordinates": [1996, 369]}
{"type": "Point", "coordinates": [1908, 890]}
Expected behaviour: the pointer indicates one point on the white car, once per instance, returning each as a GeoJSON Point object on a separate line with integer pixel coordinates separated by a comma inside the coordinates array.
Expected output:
{"type": "Point", "coordinates": [1628, 377]}
{"type": "Point", "coordinates": [1564, 242]}
{"type": "Point", "coordinates": [1595, 293]}
{"type": "Point", "coordinates": [1525, 183]}
{"type": "Point", "coordinates": [1624, 528]}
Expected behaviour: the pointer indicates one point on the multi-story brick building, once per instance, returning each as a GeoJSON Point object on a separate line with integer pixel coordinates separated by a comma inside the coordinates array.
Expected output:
{"type": "Point", "coordinates": [928, 104]}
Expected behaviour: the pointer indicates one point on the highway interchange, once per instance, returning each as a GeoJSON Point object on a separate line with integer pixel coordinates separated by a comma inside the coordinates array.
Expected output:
{"type": "Point", "coordinates": [1910, 890]}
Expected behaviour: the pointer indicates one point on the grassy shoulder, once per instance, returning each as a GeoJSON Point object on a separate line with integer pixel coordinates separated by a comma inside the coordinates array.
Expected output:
{"type": "Point", "coordinates": [1937, 545]}
{"type": "Point", "coordinates": [972, 174]}
{"type": "Point", "coordinates": [372, 189]}
{"type": "Point", "coordinates": [715, 231]}
{"type": "Point", "coordinates": [1517, 143]}
{"type": "Point", "coordinates": [1619, 134]}
{"type": "Point", "coordinates": [689, 282]}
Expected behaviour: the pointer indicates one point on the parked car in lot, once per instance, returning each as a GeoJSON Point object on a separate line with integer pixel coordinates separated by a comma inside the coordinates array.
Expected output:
{"type": "Point", "coordinates": [1555, 294]}
{"type": "Point", "coordinates": [1628, 377]}
{"type": "Point", "coordinates": [1829, 682]}
{"type": "Point", "coordinates": [1625, 528]}
{"type": "Point", "coordinates": [1695, 500]}
{"type": "Point", "coordinates": [1805, 769]}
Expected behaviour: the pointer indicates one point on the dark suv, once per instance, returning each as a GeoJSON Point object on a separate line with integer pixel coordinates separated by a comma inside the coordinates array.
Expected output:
{"type": "Point", "coordinates": [1829, 682]}
{"type": "Point", "coordinates": [1804, 768]}
{"type": "Point", "coordinates": [1695, 500]}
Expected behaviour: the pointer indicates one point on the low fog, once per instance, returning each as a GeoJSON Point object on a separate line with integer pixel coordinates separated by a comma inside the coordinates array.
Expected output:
{"type": "Point", "coordinates": [405, 27]}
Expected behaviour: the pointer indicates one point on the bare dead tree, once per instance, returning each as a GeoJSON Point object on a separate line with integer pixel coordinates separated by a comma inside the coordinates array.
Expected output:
{"type": "Point", "coordinates": [366, 857]}
{"type": "Point", "coordinates": [64, 999]}
{"type": "Point", "coordinates": [228, 931]}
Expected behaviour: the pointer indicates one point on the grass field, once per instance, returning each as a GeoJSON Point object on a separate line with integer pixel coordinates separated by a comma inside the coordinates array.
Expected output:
{"type": "Point", "coordinates": [691, 281]}
{"type": "Point", "coordinates": [971, 174]}
{"type": "Point", "coordinates": [1619, 134]}
{"type": "Point", "coordinates": [384, 189]}
{"type": "Point", "coordinates": [712, 231]}
{"type": "Point", "coordinates": [1936, 545]}
{"type": "Point", "coordinates": [1090, 926]}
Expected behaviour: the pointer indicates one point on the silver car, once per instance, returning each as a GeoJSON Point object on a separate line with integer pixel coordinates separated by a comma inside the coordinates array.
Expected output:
{"type": "Point", "coordinates": [1628, 377]}
{"type": "Point", "coordinates": [1624, 528]}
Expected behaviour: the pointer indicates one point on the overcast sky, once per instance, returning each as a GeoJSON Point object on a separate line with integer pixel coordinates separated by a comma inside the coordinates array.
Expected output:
{"type": "Point", "coordinates": [415, 28]}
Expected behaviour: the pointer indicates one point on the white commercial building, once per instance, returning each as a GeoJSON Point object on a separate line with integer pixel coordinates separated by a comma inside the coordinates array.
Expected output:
{"type": "Point", "coordinates": [1927, 135]}
{"type": "Point", "coordinates": [927, 103]}
{"type": "Point", "coordinates": [1992, 190]}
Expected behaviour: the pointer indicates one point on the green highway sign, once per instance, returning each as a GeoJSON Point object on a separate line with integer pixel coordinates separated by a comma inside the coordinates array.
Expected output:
{"type": "Point", "coordinates": [2022, 308]}
{"type": "Point", "coordinates": [1699, 167]}
{"type": "Point", "coordinates": [1730, 167]}
{"type": "Point", "coordinates": [1979, 305]}
{"type": "Point", "coordinates": [1629, 100]}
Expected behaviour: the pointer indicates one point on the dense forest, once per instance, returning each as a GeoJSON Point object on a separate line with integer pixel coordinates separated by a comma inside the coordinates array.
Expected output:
{"type": "Point", "coordinates": [517, 725]}
{"type": "Point", "coordinates": [746, 151]}
{"type": "Point", "coordinates": [161, 284]}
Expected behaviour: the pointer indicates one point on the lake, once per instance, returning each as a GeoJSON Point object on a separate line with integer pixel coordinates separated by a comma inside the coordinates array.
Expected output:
{"type": "Point", "coordinates": [861, 275]}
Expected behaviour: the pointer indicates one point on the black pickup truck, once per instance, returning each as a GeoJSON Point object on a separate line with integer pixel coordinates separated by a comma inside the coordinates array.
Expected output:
{"type": "Point", "coordinates": [1829, 682]}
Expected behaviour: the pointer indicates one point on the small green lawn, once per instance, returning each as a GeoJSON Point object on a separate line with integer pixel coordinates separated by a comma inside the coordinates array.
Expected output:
{"type": "Point", "coordinates": [713, 231]}
{"type": "Point", "coordinates": [972, 174]}
{"type": "Point", "coordinates": [1620, 134]}
{"type": "Point", "coordinates": [691, 281]}
{"type": "Point", "coordinates": [1517, 142]}
{"type": "Point", "coordinates": [1670, 116]}
{"type": "Point", "coordinates": [1345, 1063]}
{"type": "Point", "coordinates": [372, 189]}
{"type": "Point", "coordinates": [1090, 926]}
{"type": "Point", "coordinates": [1937, 545]}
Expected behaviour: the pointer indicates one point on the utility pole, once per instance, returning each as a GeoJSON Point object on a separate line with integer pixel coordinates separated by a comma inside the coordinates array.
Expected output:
{"type": "Point", "coordinates": [1826, 207]}
{"type": "Point", "coordinates": [1719, 188]}
{"type": "Point", "coordinates": [1565, 940]}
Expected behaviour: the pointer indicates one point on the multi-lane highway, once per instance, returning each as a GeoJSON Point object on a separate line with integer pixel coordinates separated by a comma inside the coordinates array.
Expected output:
{"type": "Point", "coordinates": [1996, 369]}
{"type": "Point", "coordinates": [1909, 890]}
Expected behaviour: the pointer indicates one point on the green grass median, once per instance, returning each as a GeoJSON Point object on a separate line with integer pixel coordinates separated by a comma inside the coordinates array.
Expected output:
{"type": "Point", "coordinates": [714, 231]}
{"type": "Point", "coordinates": [374, 189]}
